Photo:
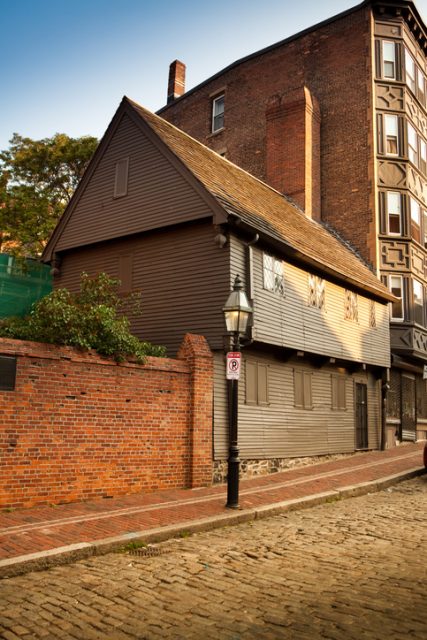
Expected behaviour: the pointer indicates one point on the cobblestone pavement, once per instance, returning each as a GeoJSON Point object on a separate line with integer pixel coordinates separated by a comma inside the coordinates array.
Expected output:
{"type": "Point", "coordinates": [350, 569]}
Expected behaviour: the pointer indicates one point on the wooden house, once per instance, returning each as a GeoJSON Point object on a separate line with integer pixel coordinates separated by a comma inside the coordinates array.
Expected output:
{"type": "Point", "coordinates": [175, 220]}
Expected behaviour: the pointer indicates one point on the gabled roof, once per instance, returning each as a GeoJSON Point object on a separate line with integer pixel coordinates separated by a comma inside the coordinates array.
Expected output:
{"type": "Point", "coordinates": [264, 209]}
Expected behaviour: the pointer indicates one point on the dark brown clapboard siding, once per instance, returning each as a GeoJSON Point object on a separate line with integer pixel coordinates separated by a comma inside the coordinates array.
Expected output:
{"type": "Point", "coordinates": [181, 272]}
{"type": "Point", "coordinates": [157, 194]}
{"type": "Point", "coordinates": [281, 430]}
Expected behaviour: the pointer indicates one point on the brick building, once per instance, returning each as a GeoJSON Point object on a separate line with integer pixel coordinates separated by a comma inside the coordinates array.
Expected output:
{"type": "Point", "coordinates": [335, 118]}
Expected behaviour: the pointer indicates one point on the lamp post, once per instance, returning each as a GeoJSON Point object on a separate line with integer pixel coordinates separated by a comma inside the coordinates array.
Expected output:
{"type": "Point", "coordinates": [237, 312]}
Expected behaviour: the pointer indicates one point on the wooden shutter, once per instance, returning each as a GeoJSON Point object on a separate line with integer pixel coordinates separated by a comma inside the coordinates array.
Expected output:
{"type": "Point", "coordinates": [308, 402]}
{"type": "Point", "coordinates": [262, 383]}
{"type": "Point", "coordinates": [399, 61]}
{"type": "Point", "coordinates": [380, 133]}
{"type": "Point", "coordinates": [251, 382]}
{"type": "Point", "coordinates": [298, 389]}
{"type": "Point", "coordinates": [378, 69]}
{"type": "Point", "coordinates": [121, 180]}
{"type": "Point", "coordinates": [383, 212]}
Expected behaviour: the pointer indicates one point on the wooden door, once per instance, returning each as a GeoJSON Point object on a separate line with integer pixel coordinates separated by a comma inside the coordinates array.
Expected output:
{"type": "Point", "coordinates": [361, 416]}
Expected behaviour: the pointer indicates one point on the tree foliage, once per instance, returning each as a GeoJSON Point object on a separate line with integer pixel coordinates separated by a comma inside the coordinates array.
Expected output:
{"type": "Point", "coordinates": [89, 319]}
{"type": "Point", "coordinates": [37, 180]}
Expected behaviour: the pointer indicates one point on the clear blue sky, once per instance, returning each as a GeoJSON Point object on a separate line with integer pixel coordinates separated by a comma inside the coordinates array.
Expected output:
{"type": "Point", "coordinates": [65, 64]}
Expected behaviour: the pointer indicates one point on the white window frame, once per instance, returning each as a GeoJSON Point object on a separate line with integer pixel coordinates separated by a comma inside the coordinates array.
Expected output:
{"type": "Point", "coordinates": [273, 274]}
{"type": "Point", "coordinates": [389, 59]}
{"type": "Point", "coordinates": [416, 284]}
{"type": "Point", "coordinates": [391, 133]}
{"type": "Point", "coordinates": [316, 291]}
{"type": "Point", "coordinates": [415, 214]}
{"type": "Point", "coordinates": [400, 297]}
{"type": "Point", "coordinates": [218, 113]}
{"type": "Point", "coordinates": [410, 71]}
{"type": "Point", "coordinates": [412, 145]}
{"type": "Point", "coordinates": [396, 212]}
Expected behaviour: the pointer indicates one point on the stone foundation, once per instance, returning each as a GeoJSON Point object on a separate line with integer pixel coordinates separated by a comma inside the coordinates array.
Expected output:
{"type": "Point", "coordinates": [253, 468]}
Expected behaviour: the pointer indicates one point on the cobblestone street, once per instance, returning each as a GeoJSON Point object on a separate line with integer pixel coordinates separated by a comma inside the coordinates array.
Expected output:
{"type": "Point", "coordinates": [354, 569]}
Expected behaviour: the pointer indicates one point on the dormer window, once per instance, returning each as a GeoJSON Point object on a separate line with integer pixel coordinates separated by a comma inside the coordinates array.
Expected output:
{"type": "Point", "coordinates": [218, 113]}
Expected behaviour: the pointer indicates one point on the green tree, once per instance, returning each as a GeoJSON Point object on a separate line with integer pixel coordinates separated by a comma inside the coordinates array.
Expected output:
{"type": "Point", "coordinates": [37, 180]}
{"type": "Point", "coordinates": [92, 318]}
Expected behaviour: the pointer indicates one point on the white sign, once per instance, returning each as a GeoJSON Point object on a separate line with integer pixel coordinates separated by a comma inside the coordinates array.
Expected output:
{"type": "Point", "coordinates": [234, 359]}
{"type": "Point", "coordinates": [425, 372]}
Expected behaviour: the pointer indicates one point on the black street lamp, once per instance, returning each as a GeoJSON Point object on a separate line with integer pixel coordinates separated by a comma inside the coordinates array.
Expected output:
{"type": "Point", "coordinates": [237, 312]}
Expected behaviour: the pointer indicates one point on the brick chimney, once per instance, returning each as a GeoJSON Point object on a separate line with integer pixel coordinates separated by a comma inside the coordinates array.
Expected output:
{"type": "Point", "coordinates": [293, 148]}
{"type": "Point", "coordinates": [176, 83]}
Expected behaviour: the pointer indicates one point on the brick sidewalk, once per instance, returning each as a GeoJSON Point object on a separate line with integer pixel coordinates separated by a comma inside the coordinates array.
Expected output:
{"type": "Point", "coordinates": [37, 537]}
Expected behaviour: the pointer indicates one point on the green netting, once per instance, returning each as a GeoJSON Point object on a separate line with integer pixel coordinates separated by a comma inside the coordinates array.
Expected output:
{"type": "Point", "coordinates": [22, 282]}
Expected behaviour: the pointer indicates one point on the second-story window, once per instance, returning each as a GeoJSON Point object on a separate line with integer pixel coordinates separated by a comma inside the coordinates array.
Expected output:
{"type": "Point", "coordinates": [412, 145]}
{"type": "Point", "coordinates": [316, 291]}
{"type": "Point", "coordinates": [389, 60]}
{"type": "Point", "coordinates": [421, 89]}
{"type": "Point", "coordinates": [418, 293]}
{"type": "Point", "coordinates": [394, 213]}
{"type": "Point", "coordinates": [415, 219]}
{"type": "Point", "coordinates": [410, 70]}
{"type": "Point", "coordinates": [351, 310]}
{"type": "Point", "coordinates": [425, 228]}
{"type": "Point", "coordinates": [273, 274]}
{"type": "Point", "coordinates": [396, 287]}
{"type": "Point", "coordinates": [391, 135]}
{"type": "Point", "coordinates": [217, 113]}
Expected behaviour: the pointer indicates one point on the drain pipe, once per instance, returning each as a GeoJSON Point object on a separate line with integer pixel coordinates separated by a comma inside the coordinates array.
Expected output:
{"type": "Point", "coordinates": [250, 276]}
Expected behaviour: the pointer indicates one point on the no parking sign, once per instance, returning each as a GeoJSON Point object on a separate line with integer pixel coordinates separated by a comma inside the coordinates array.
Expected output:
{"type": "Point", "coordinates": [234, 359]}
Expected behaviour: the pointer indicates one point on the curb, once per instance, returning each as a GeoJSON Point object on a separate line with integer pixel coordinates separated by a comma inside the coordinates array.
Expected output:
{"type": "Point", "coordinates": [65, 555]}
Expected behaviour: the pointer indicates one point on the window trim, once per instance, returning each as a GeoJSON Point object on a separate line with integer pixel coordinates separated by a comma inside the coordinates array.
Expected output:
{"type": "Point", "coordinates": [214, 115]}
{"type": "Point", "coordinates": [388, 117]}
{"type": "Point", "coordinates": [400, 318]}
{"type": "Point", "coordinates": [398, 214]}
{"type": "Point", "coordinates": [385, 60]}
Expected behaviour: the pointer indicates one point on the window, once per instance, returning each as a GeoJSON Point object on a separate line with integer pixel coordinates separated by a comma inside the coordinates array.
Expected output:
{"type": "Point", "coordinates": [338, 393]}
{"type": "Point", "coordinates": [425, 228]}
{"type": "Point", "coordinates": [412, 145]}
{"type": "Point", "coordinates": [394, 213]}
{"type": "Point", "coordinates": [423, 156]}
{"type": "Point", "coordinates": [372, 314]}
{"type": "Point", "coordinates": [396, 287]}
{"type": "Point", "coordinates": [410, 70]}
{"type": "Point", "coordinates": [391, 135]}
{"type": "Point", "coordinates": [316, 291]}
{"type": "Point", "coordinates": [417, 289]}
{"type": "Point", "coordinates": [302, 389]}
{"type": "Point", "coordinates": [415, 219]}
{"type": "Point", "coordinates": [218, 114]}
{"type": "Point", "coordinates": [351, 311]}
{"type": "Point", "coordinates": [273, 274]}
{"type": "Point", "coordinates": [389, 60]}
{"type": "Point", "coordinates": [7, 373]}
{"type": "Point", "coordinates": [421, 91]}
{"type": "Point", "coordinates": [256, 383]}
{"type": "Point", "coordinates": [121, 181]}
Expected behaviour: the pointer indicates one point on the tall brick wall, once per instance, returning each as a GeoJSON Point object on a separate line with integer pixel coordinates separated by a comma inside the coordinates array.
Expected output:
{"type": "Point", "coordinates": [78, 426]}
{"type": "Point", "coordinates": [334, 63]}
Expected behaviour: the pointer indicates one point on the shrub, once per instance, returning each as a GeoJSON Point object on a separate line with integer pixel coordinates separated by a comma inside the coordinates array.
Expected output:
{"type": "Point", "coordinates": [93, 318]}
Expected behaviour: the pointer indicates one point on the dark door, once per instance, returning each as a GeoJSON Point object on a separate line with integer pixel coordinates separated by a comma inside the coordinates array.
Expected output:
{"type": "Point", "coordinates": [361, 416]}
{"type": "Point", "coordinates": [409, 416]}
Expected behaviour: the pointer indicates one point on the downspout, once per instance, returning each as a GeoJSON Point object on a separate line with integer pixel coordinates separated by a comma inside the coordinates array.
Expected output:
{"type": "Point", "coordinates": [249, 277]}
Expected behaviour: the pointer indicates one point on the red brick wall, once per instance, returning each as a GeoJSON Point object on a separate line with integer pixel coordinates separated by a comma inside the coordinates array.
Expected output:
{"type": "Point", "coordinates": [334, 63]}
{"type": "Point", "coordinates": [78, 426]}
